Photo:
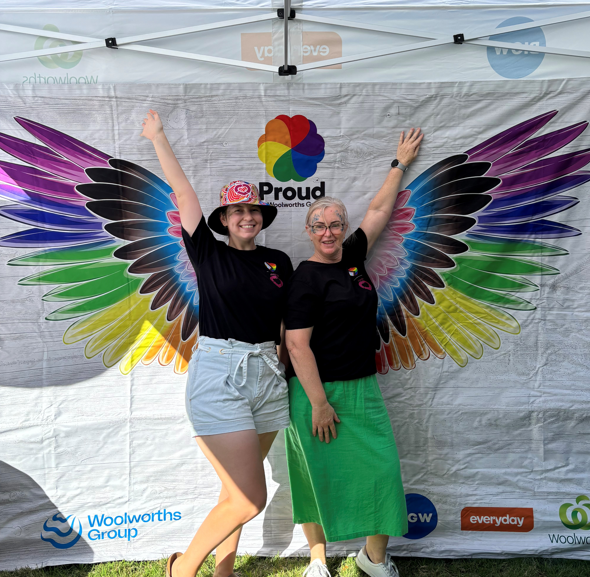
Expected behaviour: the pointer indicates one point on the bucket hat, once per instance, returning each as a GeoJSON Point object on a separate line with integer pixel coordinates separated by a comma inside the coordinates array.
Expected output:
{"type": "Point", "coordinates": [240, 192]}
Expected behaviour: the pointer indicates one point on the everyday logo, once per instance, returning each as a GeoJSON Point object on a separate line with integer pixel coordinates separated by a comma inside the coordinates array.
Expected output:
{"type": "Point", "coordinates": [422, 516]}
{"type": "Point", "coordinates": [514, 63]}
{"type": "Point", "coordinates": [291, 148]}
{"type": "Point", "coordinates": [66, 60]}
{"type": "Point", "coordinates": [62, 532]}
{"type": "Point", "coordinates": [315, 47]}
{"type": "Point", "coordinates": [507, 519]}
{"type": "Point", "coordinates": [575, 516]}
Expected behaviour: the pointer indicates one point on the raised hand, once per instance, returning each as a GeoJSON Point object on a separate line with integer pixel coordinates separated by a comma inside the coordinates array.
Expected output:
{"type": "Point", "coordinates": [152, 125]}
{"type": "Point", "coordinates": [408, 146]}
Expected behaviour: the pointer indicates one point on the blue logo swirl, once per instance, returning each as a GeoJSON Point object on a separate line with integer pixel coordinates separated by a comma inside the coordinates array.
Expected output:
{"type": "Point", "coordinates": [62, 532]}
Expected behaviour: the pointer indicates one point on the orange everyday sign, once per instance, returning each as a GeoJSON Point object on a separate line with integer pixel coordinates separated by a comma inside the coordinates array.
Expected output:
{"type": "Point", "coordinates": [315, 47]}
{"type": "Point", "coordinates": [507, 519]}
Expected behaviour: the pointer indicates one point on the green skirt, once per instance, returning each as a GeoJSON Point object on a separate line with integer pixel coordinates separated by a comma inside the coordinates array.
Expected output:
{"type": "Point", "coordinates": [352, 487]}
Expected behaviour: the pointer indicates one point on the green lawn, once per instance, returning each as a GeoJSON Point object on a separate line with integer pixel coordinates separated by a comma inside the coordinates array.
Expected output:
{"type": "Point", "coordinates": [249, 566]}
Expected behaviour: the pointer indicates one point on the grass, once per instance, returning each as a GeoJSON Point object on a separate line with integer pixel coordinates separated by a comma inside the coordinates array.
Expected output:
{"type": "Point", "coordinates": [250, 566]}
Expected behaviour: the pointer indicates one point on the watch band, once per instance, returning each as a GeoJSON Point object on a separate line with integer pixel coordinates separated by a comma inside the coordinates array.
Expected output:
{"type": "Point", "coordinates": [395, 163]}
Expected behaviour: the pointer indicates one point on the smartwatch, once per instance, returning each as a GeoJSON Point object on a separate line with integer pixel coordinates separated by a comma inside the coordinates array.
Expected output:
{"type": "Point", "coordinates": [395, 163]}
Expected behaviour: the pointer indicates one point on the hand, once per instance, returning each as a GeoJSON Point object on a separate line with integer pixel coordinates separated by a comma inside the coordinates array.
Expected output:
{"type": "Point", "coordinates": [408, 146]}
{"type": "Point", "coordinates": [322, 420]}
{"type": "Point", "coordinates": [152, 125]}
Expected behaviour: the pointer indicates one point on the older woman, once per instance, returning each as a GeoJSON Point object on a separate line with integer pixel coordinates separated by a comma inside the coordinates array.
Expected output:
{"type": "Point", "coordinates": [350, 487]}
{"type": "Point", "coordinates": [236, 394]}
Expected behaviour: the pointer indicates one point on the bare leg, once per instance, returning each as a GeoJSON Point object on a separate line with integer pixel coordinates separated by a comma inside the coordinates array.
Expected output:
{"type": "Point", "coordinates": [376, 546]}
{"type": "Point", "coordinates": [225, 553]}
{"type": "Point", "coordinates": [316, 540]}
{"type": "Point", "coordinates": [237, 460]}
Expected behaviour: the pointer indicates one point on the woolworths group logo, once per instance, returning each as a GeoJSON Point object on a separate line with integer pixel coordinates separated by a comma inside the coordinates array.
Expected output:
{"type": "Point", "coordinates": [576, 516]}
{"type": "Point", "coordinates": [62, 532]}
{"type": "Point", "coordinates": [66, 60]}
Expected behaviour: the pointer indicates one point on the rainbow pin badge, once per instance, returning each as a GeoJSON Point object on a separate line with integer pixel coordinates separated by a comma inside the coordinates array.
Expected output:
{"type": "Point", "coordinates": [271, 266]}
{"type": "Point", "coordinates": [353, 271]}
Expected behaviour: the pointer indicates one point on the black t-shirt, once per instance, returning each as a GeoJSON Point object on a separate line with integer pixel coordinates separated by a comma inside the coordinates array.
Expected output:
{"type": "Point", "coordinates": [242, 293]}
{"type": "Point", "coordinates": [340, 303]}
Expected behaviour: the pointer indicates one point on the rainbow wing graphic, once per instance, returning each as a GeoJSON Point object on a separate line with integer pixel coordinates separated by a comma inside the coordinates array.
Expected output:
{"type": "Point", "coordinates": [110, 233]}
{"type": "Point", "coordinates": [463, 238]}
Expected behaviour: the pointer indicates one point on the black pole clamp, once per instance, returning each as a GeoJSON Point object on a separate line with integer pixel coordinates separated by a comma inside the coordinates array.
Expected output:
{"type": "Point", "coordinates": [458, 38]}
{"type": "Point", "coordinates": [111, 43]}
{"type": "Point", "coordinates": [281, 14]}
{"type": "Point", "coordinates": [290, 71]}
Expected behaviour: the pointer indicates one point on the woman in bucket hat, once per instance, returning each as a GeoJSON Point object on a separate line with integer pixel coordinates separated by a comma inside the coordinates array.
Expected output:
{"type": "Point", "coordinates": [236, 396]}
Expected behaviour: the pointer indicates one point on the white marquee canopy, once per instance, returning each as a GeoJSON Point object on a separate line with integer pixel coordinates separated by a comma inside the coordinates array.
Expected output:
{"type": "Point", "coordinates": [245, 41]}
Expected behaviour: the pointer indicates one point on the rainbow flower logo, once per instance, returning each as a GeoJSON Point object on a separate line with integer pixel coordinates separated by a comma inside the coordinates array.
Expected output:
{"type": "Point", "coordinates": [271, 266]}
{"type": "Point", "coordinates": [291, 148]}
{"type": "Point", "coordinates": [353, 271]}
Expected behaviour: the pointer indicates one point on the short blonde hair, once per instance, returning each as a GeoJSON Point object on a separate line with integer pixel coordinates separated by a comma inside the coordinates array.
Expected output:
{"type": "Point", "coordinates": [322, 204]}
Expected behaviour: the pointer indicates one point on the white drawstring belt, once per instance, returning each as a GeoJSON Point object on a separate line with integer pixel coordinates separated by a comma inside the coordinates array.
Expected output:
{"type": "Point", "coordinates": [243, 362]}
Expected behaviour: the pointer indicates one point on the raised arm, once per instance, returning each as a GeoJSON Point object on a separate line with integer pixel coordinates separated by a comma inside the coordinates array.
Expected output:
{"type": "Point", "coordinates": [188, 203]}
{"type": "Point", "coordinates": [304, 363]}
{"type": "Point", "coordinates": [381, 206]}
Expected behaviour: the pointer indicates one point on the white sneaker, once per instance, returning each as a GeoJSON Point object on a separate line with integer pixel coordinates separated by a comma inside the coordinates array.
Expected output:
{"type": "Point", "coordinates": [316, 569]}
{"type": "Point", "coordinates": [386, 569]}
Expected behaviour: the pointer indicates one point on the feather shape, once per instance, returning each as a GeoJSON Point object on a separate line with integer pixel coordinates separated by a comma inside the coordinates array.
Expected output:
{"type": "Point", "coordinates": [49, 220]}
{"type": "Point", "coordinates": [464, 238]}
{"type": "Point", "coordinates": [44, 202]}
{"type": "Point", "coordinates": [125, 286]}
{"type": "Point", "coordinates": [31, 179]}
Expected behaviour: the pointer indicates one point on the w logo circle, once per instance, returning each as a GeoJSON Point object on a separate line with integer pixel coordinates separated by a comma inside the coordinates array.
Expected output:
{"type": "Point", "coordinates": [291, 148]}
{"type": "Point", "coordinates": [62, 532]}
{"type": "Point", "coordinates": [66, 60]}
{"type": "Point", "coordinates": [576, 516]}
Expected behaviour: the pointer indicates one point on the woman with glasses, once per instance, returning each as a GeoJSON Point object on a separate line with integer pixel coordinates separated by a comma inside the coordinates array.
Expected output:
{"type": "Point", "coordinates": [343, 464]}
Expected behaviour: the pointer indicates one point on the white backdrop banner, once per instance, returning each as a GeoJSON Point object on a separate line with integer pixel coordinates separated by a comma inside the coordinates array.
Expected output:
{"type": "Point", "coordinates": [483, 278]}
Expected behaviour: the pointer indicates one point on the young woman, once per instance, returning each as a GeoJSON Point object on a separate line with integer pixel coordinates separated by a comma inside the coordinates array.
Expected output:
{"type": "Point", "coordinates": [236, 397]}
{"type": "Point", "coordinates": [352, 486]}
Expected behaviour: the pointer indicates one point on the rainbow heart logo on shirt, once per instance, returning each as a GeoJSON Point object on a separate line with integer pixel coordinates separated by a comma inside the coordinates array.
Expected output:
{"type": "Point", "coordinates": [291, 148]}
{"type": "Point", "coordinates": [271, 266]}
{"type": "Point", "coordinates": [353, 271]}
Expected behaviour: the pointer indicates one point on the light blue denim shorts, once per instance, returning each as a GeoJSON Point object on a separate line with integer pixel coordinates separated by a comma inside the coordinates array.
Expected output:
{"type": "Point", "coordinates": [235, 386]}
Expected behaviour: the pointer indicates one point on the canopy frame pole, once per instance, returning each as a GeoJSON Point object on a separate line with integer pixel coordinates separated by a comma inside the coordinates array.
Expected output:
{"type": "Point", "coordinates": [131, 42]}
{"type": "Point", "coordinates": [478, 39]}
{"type": "Point", "coordinates": [370, 27]}
{"type": "Point", "coordinates": [89, 43]}
{"type": "Point", "coordinates": [286, 15]}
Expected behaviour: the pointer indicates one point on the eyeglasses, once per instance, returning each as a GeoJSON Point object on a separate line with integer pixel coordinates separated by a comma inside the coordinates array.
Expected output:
{"type": "Point", "coordinates": [319, 229]}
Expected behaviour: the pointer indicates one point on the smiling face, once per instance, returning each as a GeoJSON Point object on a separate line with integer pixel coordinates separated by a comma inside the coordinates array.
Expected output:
{"type": "Point", "coordinates": [243, 221]}
{"type": "Point", "coordinates": [329, 244]}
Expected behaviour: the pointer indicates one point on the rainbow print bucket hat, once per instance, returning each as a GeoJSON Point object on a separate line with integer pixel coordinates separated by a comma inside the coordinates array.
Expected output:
{"type": "Point", "coordinates": [240, 192]}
